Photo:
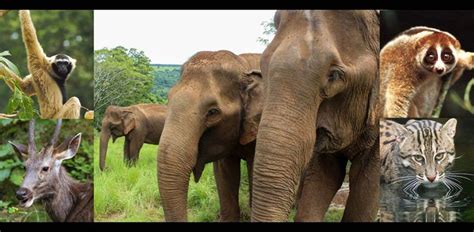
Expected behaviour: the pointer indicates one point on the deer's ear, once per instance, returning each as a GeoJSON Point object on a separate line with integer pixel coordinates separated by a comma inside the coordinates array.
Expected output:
{"type": "Point", "coordinates": [71, 145]}
{"type": "Point", "coordinates": [20, 149]}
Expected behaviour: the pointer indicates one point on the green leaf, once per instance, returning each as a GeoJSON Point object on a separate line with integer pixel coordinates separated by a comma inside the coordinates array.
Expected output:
{"type": "Point", "coordinates": [4, 150]}
{"type": "Point", "coordinates": [5, 53]}
{"type": "Point", "coordinates": [4, 174]}
{"type": "Point", "coordinates": [10, 65]}
{"type": "Point", "coordinates": [5, 122]}
{"type": "Point", "coordinates": [16, 176]}
{"type": "Point", "coordinates": [22, 104]}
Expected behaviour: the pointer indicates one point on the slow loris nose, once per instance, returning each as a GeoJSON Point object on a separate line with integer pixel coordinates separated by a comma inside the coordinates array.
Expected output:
{"type": "Point", "coordinates": [439, 70]}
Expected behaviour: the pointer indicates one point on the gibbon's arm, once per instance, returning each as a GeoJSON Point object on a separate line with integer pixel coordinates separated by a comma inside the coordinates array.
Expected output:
{"type": "Point", "coordinates": [10, 77]}
{"type": "Point", "coordinates": [36, 58]}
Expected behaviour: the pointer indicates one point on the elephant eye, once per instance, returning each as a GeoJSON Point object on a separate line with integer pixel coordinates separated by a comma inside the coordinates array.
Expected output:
{"type": "Point", "coordinates": [335, 75]}
{"type": "Point", "coordinates": [212, 112]}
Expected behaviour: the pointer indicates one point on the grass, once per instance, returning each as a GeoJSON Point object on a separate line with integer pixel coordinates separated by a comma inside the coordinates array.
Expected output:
{"type": "Point", "coordinates": [124, 194]}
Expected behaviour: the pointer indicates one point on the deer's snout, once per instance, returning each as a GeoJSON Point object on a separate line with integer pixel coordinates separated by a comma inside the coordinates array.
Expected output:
{"type": "Point", "coordinates": [23, 194]}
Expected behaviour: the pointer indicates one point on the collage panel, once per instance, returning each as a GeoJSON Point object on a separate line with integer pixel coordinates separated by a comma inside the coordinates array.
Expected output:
{"type": "Point", "coordinates": [236, 116]}
{"type": "Point", "coordinates": [426, 171]}
{"type": "Point", "coordinates": [46, 170]}
{"type": "Point", "coordinates": [209, 164]}
{"type": "Point", "coordinates": [426, 79]}
{"type": "Point", "coordinates": [46, 64]}
{"type": "Point", "coordinates": [426, 63]}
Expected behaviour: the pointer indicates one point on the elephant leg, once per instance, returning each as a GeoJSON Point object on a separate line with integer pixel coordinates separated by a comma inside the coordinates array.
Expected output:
{"type": "Point", "coordinates": [126, 152]}
{"type": "Point", "coordinates": [322, 179]}
{"type": "Point", "coordinates": [135, 147]}
{"type": "Point", "coordinates": [364, 183]}
{"type": "Point", "coordinates": [227, 174]}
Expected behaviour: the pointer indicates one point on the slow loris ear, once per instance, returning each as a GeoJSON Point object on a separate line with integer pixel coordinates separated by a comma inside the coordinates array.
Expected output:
{"type": "Point", "coordinates": [251, 95]}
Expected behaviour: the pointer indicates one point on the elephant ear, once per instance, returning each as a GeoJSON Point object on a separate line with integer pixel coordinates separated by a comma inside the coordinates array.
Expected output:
{"type": "Point", "coordinates": [251, 93]}
{"type": "Point", "coordinates": [128, 120]}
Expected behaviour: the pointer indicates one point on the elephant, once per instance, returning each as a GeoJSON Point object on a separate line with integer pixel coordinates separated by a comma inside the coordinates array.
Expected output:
{"type": "Point", "coordinates": [320, 111]}
{"type": "Point", "coordinates": [141, 123]}
{"type": "Point", "coordinates": [213, 115]}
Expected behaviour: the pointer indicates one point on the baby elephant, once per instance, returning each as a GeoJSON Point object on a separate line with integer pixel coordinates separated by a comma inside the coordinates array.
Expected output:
{"type": "Point", "coordinates": [142, 123]}
{"type": "Point", "coordinates": [64, 198]}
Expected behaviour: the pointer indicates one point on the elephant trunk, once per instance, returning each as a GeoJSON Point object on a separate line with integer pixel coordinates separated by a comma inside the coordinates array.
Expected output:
{"type": "Point", "coordinates": [177, 157]}
{"type": "Point", "coordinates": [104, 143]}
{"type": "Point", "coordinates": [285, 142]}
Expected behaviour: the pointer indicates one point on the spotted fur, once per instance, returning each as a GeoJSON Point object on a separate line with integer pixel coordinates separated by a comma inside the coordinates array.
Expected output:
{"type": "Point", "coordinates": [422, 149]}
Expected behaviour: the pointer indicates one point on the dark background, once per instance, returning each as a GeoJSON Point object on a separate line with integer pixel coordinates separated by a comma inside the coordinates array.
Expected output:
{"type": "Point", "coordinates": [460, 23]}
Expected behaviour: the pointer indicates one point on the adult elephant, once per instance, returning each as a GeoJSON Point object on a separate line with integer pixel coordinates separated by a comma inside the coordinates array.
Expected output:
{"type": "Point", "coordinates": [213, 115]}
{"type": "Point", "coordinates": [141, 123]}
{"type": "Point", "coordinates": [321, 78]}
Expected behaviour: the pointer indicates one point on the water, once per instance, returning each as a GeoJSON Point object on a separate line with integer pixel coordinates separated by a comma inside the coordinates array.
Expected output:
{"type": "Point", "coordinates": [436, 204]}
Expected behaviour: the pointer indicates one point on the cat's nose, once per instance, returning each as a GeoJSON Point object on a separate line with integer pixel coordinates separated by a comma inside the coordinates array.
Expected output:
{"type": "Point", "coordinates": [431, 178]}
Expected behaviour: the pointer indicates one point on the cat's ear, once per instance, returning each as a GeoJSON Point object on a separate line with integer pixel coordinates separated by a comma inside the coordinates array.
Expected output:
{"type": "Point", "coordinates": [450, 127]}
{"type": "Point", "coordinates": [401, 132]}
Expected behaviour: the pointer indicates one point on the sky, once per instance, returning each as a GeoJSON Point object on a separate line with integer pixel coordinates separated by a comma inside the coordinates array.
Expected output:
{"type": "Point", "coordinates": [173, 36]}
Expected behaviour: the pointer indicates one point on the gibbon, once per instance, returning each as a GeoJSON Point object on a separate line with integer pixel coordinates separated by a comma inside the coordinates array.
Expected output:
{"type": "Point", "coordinates": [411, 69]}
{"type": "Point", "coordinates": [47, 77]}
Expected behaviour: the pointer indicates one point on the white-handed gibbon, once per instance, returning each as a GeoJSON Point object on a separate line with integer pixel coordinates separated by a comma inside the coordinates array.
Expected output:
{"type": "Point", "coordinates": [47, 77]}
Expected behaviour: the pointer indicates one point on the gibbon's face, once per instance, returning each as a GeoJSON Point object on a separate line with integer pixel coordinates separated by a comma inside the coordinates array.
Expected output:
{"type": "Point", "coordinates": [438, 53]}
{"type": "Point", "coordinates": [63, 65]}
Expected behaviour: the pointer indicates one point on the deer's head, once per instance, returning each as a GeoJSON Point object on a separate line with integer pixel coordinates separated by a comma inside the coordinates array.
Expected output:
{"type": "Point", "coordinates": [43, 167]}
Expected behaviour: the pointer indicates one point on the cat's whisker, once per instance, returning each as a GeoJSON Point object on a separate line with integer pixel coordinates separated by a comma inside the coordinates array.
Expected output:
{"type": "Point", "coordinates": [401, 179]}
{"type": "Point", "coordinates": [457, 176]}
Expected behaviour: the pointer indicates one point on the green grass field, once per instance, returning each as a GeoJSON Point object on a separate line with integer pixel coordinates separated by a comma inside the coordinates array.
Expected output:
{"type": "Point", "coordinates": [124, 194]}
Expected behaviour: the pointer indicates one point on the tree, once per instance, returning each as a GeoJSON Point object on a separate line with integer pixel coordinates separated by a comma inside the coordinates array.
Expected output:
{"type": "Point", "coordinates": [268, 31]}
{"type": "Point", "coordinates": [123, 77]}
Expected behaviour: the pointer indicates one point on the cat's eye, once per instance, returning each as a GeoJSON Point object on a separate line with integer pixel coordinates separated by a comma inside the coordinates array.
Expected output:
{"type": "Point", "coordinates": [439, 156]}
{"type": "Point", "coordinates": [418, 158]}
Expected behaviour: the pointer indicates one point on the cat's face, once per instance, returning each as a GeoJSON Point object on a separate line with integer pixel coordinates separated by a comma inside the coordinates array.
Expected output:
{"type": "Point", "coordinates": [427, 147]}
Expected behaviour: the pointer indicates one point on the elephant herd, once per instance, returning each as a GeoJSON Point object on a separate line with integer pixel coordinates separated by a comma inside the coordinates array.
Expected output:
{"type": "Point", "coordinates": [297, 114]}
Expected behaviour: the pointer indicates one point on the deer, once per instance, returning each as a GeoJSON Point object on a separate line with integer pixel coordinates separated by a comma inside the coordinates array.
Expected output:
{"type": "Point", "coordinates": [64, 198]}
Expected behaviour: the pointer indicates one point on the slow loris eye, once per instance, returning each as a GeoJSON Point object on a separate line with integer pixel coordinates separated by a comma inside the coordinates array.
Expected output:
{"type": "Point", "coordinates": [430, 58]}
{"type": "Point", "coordinates": [447, 57]}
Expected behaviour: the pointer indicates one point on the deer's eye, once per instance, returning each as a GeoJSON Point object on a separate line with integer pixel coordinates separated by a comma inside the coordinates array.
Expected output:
{"type": "Point", "coordinates": [45, 169]}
